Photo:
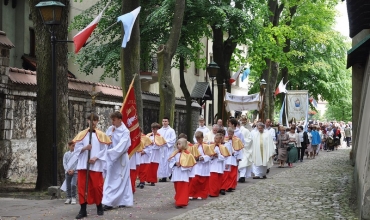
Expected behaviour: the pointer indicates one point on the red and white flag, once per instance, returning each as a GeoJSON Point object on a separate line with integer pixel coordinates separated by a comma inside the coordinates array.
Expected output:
{"type": "Point", "coordinates": [236, 75]}
{"type": "Point", "coordinates": [81, 37]}
{"type": "Point", "coordinates": [281, 88]}
{"type": "Point", "coordinates": [131, 120]}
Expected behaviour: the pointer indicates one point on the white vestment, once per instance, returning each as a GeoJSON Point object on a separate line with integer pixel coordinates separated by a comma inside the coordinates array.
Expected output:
{"type": "Point", "coordinates": [170, 136]}
{"type": "Point", "coordinates": [209, 138]}
{"type": "Point", "coordinates": [117, 189]}
{"type": "Point", "coordinates": [263, 150]}
{"type": "Point", "coordinates": [245, 165]}
{"type": "Point", "coordinates": [203, 129]}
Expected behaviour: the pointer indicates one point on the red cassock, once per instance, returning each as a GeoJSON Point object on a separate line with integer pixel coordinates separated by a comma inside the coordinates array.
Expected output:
{"type": "Point", "coordinates": [151, 174]}
{"type": "Point", "coordinates": [143, 170]}
{"type": "Point", "coordinates": [215, 182]}
{"type": "Point", "coordinates": [181, 193]}
{"type": "Point", "coordinates": [95, 187]}
{"type": "Point", "coordinates": [199, 187]}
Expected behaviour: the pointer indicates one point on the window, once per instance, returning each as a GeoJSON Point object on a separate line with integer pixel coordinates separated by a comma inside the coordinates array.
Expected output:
{"type": "Point", "coordinates": [32, 42]}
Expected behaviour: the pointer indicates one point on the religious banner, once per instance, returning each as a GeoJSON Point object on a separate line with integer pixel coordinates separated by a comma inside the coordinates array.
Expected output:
{"type": "Point", "coordinates": [297, 105]}
{"type": "Point", "coordinates": [242, 103]}
{"type": "Point", "coordinates": [130, 119]}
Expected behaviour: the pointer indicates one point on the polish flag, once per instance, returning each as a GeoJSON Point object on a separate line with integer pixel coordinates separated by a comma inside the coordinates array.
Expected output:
{"type": "Point", "coordinates": [81, 37]}
{"type": "Point", "coordinates": [236, 75]}
{"type": "Point", "coordinates": [281, 88]}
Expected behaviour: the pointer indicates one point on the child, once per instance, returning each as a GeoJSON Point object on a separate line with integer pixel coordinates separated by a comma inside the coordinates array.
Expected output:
{"type": "Point", "coordinates": [199, 186]}
{"type": "Point", "coordinates": [155, 155]}
{"type": "Point", "coordinates": [70, 163]}
{"type": "Point", "coordinates": [217, 166]}
{"type": "Point", "coordinates": [195, 153]}
{"type": "Point", "coordinates": [144, 160]}
{"type": "Point", "coordinates": [181, 162]}
{"type": "Point", "coordinates": [234, 146]}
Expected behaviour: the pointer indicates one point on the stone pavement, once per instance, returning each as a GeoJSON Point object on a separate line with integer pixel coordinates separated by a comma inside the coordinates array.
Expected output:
{"type": "Point", "coordinates": [314, 189]}
{"type": "Point", "coordinates": [317, 189]}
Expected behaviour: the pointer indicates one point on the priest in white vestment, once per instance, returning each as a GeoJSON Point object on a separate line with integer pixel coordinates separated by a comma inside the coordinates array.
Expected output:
{"type": "Point", "coordinates": [117, 190]}
{"type": "Point", "coordinates": [169, 136]}
{"type": "Point", "coordinates": [209, 138]}
{"type": "Point", "coordinates": [263, 149]}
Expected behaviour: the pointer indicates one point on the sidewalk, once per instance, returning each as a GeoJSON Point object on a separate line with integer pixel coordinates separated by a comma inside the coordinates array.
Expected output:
{"type": "Point", "coordinates": [320, 192]}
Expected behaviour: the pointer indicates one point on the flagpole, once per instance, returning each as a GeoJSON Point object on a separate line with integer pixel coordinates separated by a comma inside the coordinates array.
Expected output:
{"type": "Point", "coordinates": [132, 82]}
{"type": "Point", "coordinates": [97, 36]}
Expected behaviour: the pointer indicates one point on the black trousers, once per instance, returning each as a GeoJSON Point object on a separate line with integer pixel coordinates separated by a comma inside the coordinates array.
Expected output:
{"type": "Point", "coordinates": [301, 151]}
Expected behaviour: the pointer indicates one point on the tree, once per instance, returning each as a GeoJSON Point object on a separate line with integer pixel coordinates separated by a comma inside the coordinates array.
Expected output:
{"type": "Point", "coordinates": [44, 118]}
{"type": "Point", "coordinates": [130, 59]}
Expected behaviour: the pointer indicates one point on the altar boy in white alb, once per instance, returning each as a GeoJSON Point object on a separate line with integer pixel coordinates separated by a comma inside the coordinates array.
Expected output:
{"type": "Point", "coordinates": [201, 128]}
{"type": "Point", "coordinates": [117, 189]}
{"type": "Point", "coordinates": [169, 135]}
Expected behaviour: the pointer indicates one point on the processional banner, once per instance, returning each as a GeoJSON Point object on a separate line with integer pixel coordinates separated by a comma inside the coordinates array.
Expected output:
{"type": "Point", "coordinates": [242, 103]}
{"type": "Point", "coordinates": [297, 105]}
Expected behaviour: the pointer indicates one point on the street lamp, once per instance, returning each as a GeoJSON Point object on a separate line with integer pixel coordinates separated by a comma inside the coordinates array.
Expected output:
{"type": "Point", "coordinates": [51, 13]}
{"type": "Point", "coordinates": [212, 70]}
{"type": "Point", "coordinates": [263, 85]}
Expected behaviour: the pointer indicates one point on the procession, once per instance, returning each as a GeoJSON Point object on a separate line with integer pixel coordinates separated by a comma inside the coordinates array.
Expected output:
{"type": "Point", "coordinates": [173, 109]}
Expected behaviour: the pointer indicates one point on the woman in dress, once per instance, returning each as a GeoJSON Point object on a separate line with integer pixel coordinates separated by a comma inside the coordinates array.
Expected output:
{"type": "Point", "coordinates": [282, 144]}
{"type": "Point", "coordinates": [292, 147]}
{"type": "Point", "coordinates": [309, 147]}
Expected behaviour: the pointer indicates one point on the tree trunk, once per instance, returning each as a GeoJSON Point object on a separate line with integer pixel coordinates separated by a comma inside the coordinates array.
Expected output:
{"type": "Point", "coordinates": [165, 54]}
{"type": "Point", "coordinates": [185, 91]}
{"type": "Point", "coordinates": [222, 53]}
{"type": "Point", "coordinates": [44, 117]}
{"type": "Point", "coordinates": [130, 59]}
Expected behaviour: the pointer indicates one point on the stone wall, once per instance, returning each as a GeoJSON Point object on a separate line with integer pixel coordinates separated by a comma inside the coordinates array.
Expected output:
{"type": "Point", "coordinates": [18, 145]}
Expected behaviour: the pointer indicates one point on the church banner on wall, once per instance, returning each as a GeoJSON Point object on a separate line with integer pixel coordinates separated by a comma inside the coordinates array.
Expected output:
{"type": "Point", "coordinates": [297, 105]}
{"type": "Point", "coordinates": [242, 103]}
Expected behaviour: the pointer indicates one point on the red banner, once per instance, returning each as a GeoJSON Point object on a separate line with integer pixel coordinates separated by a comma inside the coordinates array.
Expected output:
{"type": "Point", "coordinates": [130, 118]}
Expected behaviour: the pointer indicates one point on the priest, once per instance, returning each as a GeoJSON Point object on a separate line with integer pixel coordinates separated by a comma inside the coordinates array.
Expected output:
{"type": "Point", "coordinates": [263, 150]}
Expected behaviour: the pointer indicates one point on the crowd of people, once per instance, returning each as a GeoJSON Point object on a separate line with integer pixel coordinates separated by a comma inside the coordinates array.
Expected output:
{"type": "Point", "coordinates": [210, 166]}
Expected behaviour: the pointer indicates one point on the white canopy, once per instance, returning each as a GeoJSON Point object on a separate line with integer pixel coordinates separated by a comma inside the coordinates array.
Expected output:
{"type": "Point", "coordinates": [242, 103]}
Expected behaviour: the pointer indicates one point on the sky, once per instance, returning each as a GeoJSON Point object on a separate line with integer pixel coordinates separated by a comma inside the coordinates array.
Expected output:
{"type": "Point", "coordinates": [342, 19]}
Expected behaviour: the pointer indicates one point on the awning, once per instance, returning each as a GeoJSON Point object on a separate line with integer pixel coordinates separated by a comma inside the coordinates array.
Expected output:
{"type": "Point", "coordinates": [202, 90]}
{"type": "Point", "coordinates": [359, 53]}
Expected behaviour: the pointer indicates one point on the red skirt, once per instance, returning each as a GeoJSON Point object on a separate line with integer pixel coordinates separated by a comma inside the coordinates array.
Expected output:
{"type": "Point", "coordinates": [215, 181]}
{"type": "Point", "coordinates": [152, 173]}
{"type": "Point", "coordinates": [95, 187]}
{"type": "Point", "coordinates": [199, 187]}
{"type": "Point", "coordinates": [181, 193]}
{"type": "Point", "coordinates": [143, 170]}
{"type": "Point", "coordinates": [133, 175]}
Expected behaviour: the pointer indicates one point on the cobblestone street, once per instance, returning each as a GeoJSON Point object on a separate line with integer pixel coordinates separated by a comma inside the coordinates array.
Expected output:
{"type": "Point", "coordinates": [317, 189]}
{"type": "Point", "coordinates": [314, 189]}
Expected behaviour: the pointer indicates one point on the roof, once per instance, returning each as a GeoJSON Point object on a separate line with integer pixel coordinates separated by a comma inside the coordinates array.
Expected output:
{"type": "Point", "coordinates": [32, 61]}
{"type": "Point", "coordinates": [4, 41]}
{"type": "Point", "coordinates": [358, 16]}
{"type": "Point", "coordinates": [359, 52]}
{"type": "Point", "coordinates": [27, 77]}
{"type": "Point", "coordinates": [202, 90]}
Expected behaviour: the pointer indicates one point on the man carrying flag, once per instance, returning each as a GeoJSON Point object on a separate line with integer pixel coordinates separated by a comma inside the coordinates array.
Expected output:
{"type": "Point", "coordinates": [125, 133]}
{"type": "Point", "coordinates": [117, 189]}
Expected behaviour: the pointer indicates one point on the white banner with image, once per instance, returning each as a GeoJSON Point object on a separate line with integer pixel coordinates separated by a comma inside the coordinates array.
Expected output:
{"type": "Point", "coordinates": [297, 105]}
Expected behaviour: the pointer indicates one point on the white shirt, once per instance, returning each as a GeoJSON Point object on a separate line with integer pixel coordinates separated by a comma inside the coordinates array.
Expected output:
{"type": "Point", "coordinates": [98, 150]}
{"type": "Point", "coordinates": [217, 163]}
{"type": "Point", "coordinates": [169, 135]}
{"type": "Point", "coordinates": [202, 166]}
{"type": "Point", "coordinates": [179, 173]}
{"type": "Point", "coordinates": [203, 129]}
